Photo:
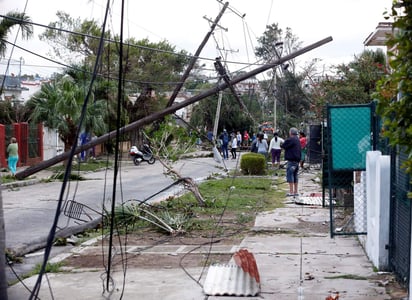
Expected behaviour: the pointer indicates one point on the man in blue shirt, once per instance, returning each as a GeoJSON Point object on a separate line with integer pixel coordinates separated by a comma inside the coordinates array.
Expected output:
{"type": "Point", "coordinates": [292, 155]}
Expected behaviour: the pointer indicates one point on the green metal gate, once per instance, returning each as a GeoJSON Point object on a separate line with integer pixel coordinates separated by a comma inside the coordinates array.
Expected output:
{"type": "Point", "coordinates": [349, 133]}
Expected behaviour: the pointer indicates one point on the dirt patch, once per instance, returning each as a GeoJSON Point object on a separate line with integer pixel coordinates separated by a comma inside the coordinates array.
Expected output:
{"type": "Point", "coordinates": [393, 288]}
{"type": "Point", "coordinates": [151, 249]}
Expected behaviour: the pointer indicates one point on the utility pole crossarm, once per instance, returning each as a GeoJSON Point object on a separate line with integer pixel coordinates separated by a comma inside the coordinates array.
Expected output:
{"type": "Point", "coordinates": [223, 74]}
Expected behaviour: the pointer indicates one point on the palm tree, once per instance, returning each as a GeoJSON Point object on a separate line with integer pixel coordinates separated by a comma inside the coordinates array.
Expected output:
{"type": "Point", "coordinates": [21, 19]}
{"type": "Point", "coordinates": [11, 20]}
{"type": "Point", "coordinates": [59, 104]}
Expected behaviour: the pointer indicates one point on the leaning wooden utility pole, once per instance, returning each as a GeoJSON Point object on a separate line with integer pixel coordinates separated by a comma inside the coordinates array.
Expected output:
{"type": "Point", "coordinates": [195, 57]}
{"type": "Point", "coordinates": [167, 111]}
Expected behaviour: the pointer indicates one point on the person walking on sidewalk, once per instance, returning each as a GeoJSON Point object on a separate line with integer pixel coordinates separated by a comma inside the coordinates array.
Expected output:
{"type": "Point", "coordinates": [13, 155]}
{"type": "Point", "coordinates": [275, 149]}
{"type": "Point", "coordinates": [234, 146]}
{"type": "Point", "coordinates": [293, 156]}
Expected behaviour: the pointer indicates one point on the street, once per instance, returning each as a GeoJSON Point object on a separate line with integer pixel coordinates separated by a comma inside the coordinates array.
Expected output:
{"type": "Point", "coordinates": [30, 210]}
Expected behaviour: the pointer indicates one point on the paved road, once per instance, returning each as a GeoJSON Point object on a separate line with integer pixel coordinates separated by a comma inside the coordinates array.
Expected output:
{"type": "Point", "coordinates": [30, 210]}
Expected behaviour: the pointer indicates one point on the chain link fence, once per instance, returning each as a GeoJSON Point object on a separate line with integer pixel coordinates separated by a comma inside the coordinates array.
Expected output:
{"type": "Point", "coordinates": [347, 135]}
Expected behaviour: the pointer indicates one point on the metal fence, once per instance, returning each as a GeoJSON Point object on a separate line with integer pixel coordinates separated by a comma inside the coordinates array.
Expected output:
{"type": "Point", "coordinates": [400, 220]}
{"type": "Point", "coordinates": [29, 138]}
{"type": "Point", "coordinates": [348, 134]}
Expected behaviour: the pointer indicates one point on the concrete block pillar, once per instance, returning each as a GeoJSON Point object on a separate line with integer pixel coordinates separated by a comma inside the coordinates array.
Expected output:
{"type": "Point", "coordinates": [378, 205]}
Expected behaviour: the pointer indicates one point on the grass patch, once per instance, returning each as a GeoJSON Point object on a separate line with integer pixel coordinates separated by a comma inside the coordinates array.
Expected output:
{"type": "Point", "coordinates": [7, 179]}
{"type": "Point", "coordinates": [50, 268]}
{"type": "Point", "coordinates": [232, 204]}
{"type": "Point", "coordinates": [91, 165]}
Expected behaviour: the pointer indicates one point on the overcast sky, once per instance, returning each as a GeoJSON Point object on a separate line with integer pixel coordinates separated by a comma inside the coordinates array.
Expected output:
{"type": "Point", "coordinates": [182, 23]}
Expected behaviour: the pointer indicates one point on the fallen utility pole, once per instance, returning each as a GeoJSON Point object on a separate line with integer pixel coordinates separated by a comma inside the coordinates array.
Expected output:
{"type": "Point", "coordinates": [167, 111]}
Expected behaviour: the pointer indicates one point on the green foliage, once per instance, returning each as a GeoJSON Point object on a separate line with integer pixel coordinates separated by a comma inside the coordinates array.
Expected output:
{"type": "Point", "coordinates": [11, 257]}
{"type": "Point", "coordinates": [6, 24]}
{"type": "Point", "coordinates": [149, 68]}
{"type": "Point", "coordinates": [170, 140]}
{"type": "Point", "coordinates": [7, 179]}
{"type": "Point", "coordinates": [127, 214]}
{"type": "Point", "coordinates": [394, 91]}
{"type": "Point", "coordinates": [175, 220]}
{"type": "Point", "coordinates": [130, 214]}
{"type": "Point", "coordinates": [285, 86]}
{"type": "Point", "coordinates": [73, 176]}
{"type": "Point", "coordinates": [50, 268]}
{"type": "Point", "coordinates": [59, 105]}
{"type": "Point", "coordinates": [231, 116]}
{"type": "Point", "coordinates": [253, 164]}
{"type": "Point", "coordinates": [69, 46]}
{"type": "Point", "coordinates": [242, 198]}
{"type": "Point", "coordinates": [270, 37]}
{"type": "Point", "coordinates": [354, 82]}
{"type": "Point", "coordinates": [13, 112]}
{"type": "Point", "coordinates": [90, 165]}
{"type": "Point", "coordinates": [149, 63]}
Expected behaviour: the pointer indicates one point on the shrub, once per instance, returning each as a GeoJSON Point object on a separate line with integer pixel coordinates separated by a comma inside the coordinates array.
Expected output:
{"type": "Point", "coordinates": [253, 164]}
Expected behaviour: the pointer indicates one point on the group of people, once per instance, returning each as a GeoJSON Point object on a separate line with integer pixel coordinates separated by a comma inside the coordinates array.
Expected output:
{"type": "Point", "coordinates": [295, 154]}
{"type": "Point", "coordinates": [234, 141]}
{"type": "Point", "coordinates": [274, 148]}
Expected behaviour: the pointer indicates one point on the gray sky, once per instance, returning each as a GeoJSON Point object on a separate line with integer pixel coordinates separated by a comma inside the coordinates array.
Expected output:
{"type": "Point", "coordinates": [182, 23]}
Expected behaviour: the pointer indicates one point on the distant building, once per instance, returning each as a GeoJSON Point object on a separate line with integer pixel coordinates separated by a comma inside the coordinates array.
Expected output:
{"type": "Point", "coordinates": [380, 36]}
{"type": "Point", "coordinates": [11, 88]}
{"type": "Point", "coordinates": [248, 86]}
{"type": "Point", "coordinates": [184, 113]}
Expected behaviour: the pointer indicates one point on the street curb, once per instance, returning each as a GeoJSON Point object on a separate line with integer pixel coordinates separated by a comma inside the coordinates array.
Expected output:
{"type": "Point", "coordinates": [21, 183]}
{"type": "Point", "coordinates": [39, 243]}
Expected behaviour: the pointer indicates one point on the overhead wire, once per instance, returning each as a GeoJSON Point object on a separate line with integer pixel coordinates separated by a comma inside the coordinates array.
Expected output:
{"type": "Point", "coordinates": [84, 35]}
{"type": "Point", "coordinates": [116, 156]}
{"type": "Point", "coordinates": [2, 86]}
{"type": "Point", "coordinates": [50, 238]}
{"type": "Point", "coordinates": [219, 220]}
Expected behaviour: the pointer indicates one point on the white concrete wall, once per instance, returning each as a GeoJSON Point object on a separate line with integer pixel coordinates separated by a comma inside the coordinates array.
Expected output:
{"type": "Point", "coordinates": [52, 144]}
{"type": "Point", "coordinates": [378, 205]}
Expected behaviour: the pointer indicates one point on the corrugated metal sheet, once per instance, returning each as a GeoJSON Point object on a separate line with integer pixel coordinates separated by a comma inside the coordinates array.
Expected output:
{"type": "Point", "coordinates": [230, 280]}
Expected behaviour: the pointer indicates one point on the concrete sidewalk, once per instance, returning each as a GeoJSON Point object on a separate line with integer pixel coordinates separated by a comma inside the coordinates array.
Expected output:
{"type": "Point", "coordinates": [296, 259]}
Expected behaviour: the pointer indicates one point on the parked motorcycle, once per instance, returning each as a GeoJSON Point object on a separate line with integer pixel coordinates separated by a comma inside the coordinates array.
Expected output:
{"type": "Point", "coordinates": [145, 154]}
